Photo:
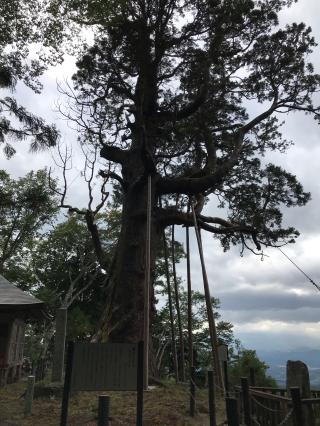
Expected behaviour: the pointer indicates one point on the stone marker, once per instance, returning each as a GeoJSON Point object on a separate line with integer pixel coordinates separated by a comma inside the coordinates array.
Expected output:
{"type": "Point", "coordinates": [298, 375]}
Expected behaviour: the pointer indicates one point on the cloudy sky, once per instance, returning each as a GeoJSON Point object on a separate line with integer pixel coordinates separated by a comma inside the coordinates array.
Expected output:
{"type": "Point", "coordinates": [271, 304]}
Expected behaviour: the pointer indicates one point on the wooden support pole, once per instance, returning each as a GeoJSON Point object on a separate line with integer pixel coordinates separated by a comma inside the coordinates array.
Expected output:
{"type": "Point", "coordinates": [59, 345]}
{"type": "Point", "coordinates": [297, 406]}
{"type": "Point", "coordinates": [211, 321]}
{"type": "Point", "coordinates": [246, 401]}
{"type": "Point", "coordinates": [139, 410]}
{"type": "Point", "coordinates": [212, 402]}
{"type": "Point", "coordinates": [252, 377]}
{"type": "Point", "coordinates": [173, 334]}
{"type": "Point", "coordinates": [103, 410]}
{"type": "Point", "coordinates": [232, 412]}
{"type": "Point", "coordinates": [176, 293]}
{"type": "Point", "coordinates": [146, 322]}
{"type": "Point", "coordinates": [226, 377]}
{"type": "Point", "coordinates": [192, 392]}
{"type": "Point", "coordinates": [189, 287]}
{"type": "Point", "coordinates": [29, 396]}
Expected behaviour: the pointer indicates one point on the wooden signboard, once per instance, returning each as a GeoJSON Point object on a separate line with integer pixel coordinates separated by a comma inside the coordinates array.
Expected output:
{"type": "Point", "coordinates": [102, 367]}
{"type": "Point", "coordinates": [223, 353]}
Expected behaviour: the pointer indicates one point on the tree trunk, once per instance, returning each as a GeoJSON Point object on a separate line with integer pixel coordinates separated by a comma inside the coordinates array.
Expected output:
{"type": "Point", "coordinates": [124, 320]}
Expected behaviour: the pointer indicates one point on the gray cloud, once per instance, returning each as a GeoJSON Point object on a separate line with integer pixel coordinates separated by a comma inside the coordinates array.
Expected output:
{"type": "Point", "coordinates": [293, 315]}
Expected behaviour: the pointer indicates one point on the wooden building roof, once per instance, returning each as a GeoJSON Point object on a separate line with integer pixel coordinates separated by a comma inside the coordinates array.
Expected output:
{"type": "Point", "coordinates": [11, 298]}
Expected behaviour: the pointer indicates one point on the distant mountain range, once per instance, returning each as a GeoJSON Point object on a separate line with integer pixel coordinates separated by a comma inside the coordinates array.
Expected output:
{"type": "Point", "coordinates": [277, 360]}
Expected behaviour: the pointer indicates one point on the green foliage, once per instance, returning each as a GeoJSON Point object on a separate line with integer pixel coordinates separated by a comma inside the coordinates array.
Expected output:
{"type": "Point", "coordinates": [65, 255]}
{"type": "Point", "coordinates": [240, 364]}
{"type": "Point", "coordinates": [23, 24]}
{"type": "Point", "coordinates": [201, 338]}
{"type": "Point", "coordinates": [80, 324]}
{"type": "Point", "coordinates": [26, 206]}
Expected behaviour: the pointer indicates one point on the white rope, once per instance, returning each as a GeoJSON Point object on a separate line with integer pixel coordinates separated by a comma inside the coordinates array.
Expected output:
{"type": "Point", "coordinates": [265, 407]}
{"type": "Point", "coordinates": [284, 421]}
{"type": "Point", "coordinates": [255, 421]}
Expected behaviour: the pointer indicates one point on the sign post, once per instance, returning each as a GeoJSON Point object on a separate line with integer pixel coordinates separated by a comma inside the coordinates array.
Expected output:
{"type": "Point", "coordinates": [67, 385]}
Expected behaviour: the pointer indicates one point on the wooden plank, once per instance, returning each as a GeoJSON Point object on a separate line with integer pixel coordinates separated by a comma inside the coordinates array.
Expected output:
{"type": "Point", "coordinates": [266, 389]}
{"type": "Point", "coordinates": [269, 395]}
{"type": "Point", "coordinates": [310, 401]}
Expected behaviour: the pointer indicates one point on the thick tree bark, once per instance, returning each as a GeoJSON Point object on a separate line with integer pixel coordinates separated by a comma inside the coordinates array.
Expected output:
{"type": "Point", "coordinates": [128, 281]}
{"type": "Point", "coordinates": [124, 318]}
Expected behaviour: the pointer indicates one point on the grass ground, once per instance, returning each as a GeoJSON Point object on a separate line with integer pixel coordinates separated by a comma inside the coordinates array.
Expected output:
{"type": "Point", "coordinates": [163, 406]}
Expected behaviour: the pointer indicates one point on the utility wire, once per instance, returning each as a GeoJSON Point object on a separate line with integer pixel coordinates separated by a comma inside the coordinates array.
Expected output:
{"type": "Point", "coordinates": [307, 276]}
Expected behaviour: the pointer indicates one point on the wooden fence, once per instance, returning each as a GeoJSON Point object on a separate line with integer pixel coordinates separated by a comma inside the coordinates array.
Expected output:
{"type": "Point", "coordinates": [266, 406]}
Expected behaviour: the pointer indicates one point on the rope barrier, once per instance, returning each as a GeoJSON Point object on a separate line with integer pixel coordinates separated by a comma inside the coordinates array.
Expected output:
{"type": "Point", "coordinates": [255, 421]}
{"type": "Point", "coordinates": [284, 421]}
{"type": "Point", "coordinates": [265, 407]}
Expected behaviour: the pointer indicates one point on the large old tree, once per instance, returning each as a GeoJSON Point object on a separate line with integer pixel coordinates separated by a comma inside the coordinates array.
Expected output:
{"type": "Point", "coordinates": [164, 92]}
